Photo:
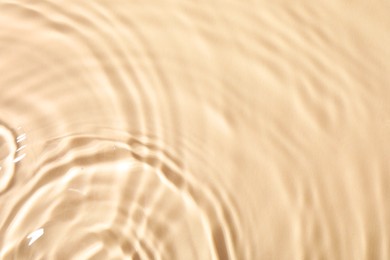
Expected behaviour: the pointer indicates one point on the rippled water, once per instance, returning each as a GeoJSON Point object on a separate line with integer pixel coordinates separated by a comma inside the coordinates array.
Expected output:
{"type": "Point", "coordinates": [194, 129]}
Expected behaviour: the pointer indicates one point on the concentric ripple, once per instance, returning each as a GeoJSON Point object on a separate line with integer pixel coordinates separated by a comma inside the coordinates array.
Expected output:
{"type": "Point", "coordinates": [7, 154]}
{"type": "Point", "coordinates": [12, 151]}
{"type": "Point", "coordinates": [222, 130]}
{"type": "Point", "coordinates": [94, 197]}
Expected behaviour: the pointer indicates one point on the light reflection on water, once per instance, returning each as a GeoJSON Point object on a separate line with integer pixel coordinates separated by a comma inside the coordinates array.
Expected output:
{"type": "Point", "coordinates": [180, 130]}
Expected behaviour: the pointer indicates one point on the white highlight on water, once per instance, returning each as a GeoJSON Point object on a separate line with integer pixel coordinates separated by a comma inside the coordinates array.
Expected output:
{"type": "Point", "coordinates": [35, 235]}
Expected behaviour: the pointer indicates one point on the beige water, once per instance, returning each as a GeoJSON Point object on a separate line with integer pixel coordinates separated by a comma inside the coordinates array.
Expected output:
{"type": "Point", "coordinates": [194, 129]}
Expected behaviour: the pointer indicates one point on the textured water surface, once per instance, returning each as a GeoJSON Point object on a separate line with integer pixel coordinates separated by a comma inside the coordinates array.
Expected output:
{"type": "Point", "coordinates": [194, 129]}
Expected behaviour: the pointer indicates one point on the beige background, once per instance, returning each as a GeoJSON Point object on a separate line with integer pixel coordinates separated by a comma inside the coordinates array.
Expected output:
{"type": "Point", "coordinates": [195, 129]}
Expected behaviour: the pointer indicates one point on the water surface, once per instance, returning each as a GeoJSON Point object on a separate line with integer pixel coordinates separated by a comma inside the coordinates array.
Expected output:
{"type": "Point", "coordinates": [194, 129]}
